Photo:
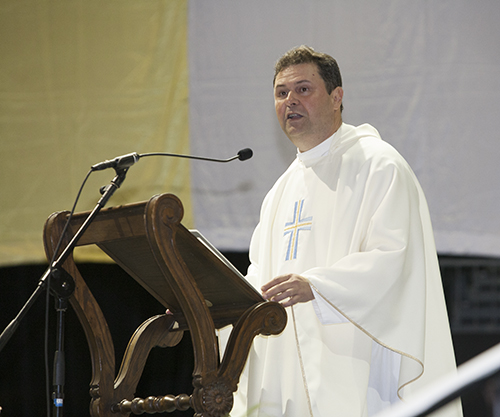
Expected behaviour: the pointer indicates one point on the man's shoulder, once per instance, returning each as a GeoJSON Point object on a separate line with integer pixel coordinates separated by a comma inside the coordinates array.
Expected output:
{"type": "Point", "coordinates": [368, 149]}
{"type": "Point", "coordinates": [369, 140]}
{"type": "Point", "coordinates": [363, 130]}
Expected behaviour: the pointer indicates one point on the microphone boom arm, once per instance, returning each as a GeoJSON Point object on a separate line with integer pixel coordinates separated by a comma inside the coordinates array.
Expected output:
{"type": "Point", "coordinates": [201, 158]}
{"type": "Point", "coordinates": [126, 161]}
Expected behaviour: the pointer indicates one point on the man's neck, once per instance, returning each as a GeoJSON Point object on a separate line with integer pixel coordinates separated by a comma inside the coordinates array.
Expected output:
{"type": "Point", "coordinates": [307, 143]}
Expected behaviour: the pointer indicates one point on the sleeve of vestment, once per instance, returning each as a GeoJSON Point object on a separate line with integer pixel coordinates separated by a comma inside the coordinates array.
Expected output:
{"type": "Point", "coordinates": [380, 285]}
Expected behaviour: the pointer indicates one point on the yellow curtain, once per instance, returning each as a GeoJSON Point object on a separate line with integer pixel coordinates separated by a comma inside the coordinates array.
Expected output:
{"type": "Point", "coordinates": [82, 81]}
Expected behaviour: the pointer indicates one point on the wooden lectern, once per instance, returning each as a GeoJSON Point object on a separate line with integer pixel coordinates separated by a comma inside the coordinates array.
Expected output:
{"type": "Point", "coordinates": [203, 294]}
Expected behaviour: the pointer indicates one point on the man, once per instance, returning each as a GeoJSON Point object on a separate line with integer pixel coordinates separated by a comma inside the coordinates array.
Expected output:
{"type": "Point", "coordinates": [345, 243]}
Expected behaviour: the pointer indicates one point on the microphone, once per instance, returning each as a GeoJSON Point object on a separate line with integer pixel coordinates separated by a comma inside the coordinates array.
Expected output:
{"type": "Point", "coordinates": [126, 161]}
{"type": "Point", "coordinates": [245, 154]}
{"type": "Point", "coordinates": [120, 162]}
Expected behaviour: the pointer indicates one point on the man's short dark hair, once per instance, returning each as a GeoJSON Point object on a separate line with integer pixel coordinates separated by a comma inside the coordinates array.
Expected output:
{"type": "Point", "coordinates": [327, 66]}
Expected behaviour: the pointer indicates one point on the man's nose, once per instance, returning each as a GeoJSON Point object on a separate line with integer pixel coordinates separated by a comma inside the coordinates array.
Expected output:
{"type": "Point", "coordinates": [291, 99]}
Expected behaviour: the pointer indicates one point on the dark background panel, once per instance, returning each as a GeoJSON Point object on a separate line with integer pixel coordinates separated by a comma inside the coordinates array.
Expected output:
{"type": "Point", "coordinates": [126, 305]}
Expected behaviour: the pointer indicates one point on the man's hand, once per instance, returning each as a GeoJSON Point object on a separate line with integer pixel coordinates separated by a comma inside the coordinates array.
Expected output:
{"type": "Point", "coordinates": [290, 287]}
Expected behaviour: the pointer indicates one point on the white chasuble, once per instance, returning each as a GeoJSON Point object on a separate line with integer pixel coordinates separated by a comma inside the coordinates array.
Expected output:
{"type": "Point", "coordinates": [349, 216]}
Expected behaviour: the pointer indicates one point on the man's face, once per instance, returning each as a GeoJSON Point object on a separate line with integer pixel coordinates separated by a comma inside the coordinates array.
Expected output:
{"type": "Point", "coordinates": [306, 112]}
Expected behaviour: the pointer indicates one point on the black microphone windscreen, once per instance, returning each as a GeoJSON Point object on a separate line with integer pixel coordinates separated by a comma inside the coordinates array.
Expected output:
{"type": "Point", "coordinates": [245, 154]}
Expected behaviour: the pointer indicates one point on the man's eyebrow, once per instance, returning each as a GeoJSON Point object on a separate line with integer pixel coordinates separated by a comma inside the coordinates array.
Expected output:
{"type": "Point", "coordinates": [296, 83]}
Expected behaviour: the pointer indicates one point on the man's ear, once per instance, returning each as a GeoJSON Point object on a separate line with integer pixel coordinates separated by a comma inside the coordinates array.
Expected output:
{"type": "Point", "coordinates": [338, 94]}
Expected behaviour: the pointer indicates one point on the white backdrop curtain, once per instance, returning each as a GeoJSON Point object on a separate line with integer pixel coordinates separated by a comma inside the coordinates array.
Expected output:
{"type": "Point", "coordinates": [425, 73]}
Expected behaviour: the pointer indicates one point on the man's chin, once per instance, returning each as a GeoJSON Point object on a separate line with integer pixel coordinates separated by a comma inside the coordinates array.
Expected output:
{"type": "Point", "coordinates": [293, 131]}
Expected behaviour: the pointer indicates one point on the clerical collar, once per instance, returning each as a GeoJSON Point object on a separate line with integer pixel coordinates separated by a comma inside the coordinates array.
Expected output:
{"type": "Point", "coordinates": [317, 152]}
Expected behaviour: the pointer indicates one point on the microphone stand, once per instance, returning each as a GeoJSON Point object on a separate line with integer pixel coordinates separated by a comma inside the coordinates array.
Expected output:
{"type": "Point", "coordinates": [62, 286]}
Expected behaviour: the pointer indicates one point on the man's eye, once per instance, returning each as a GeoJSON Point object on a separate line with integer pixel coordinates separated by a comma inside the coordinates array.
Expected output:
{"type": "Point", "coordinates": [304, 89]}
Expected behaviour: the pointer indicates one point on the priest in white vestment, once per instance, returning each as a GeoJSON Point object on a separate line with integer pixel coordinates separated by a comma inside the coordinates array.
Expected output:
{"type": "Point", "coordinates": [345, 243]}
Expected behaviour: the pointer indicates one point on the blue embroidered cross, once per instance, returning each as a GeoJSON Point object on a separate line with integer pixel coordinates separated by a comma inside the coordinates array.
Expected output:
{"type": "Point", "coordinates": [294, 227]}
